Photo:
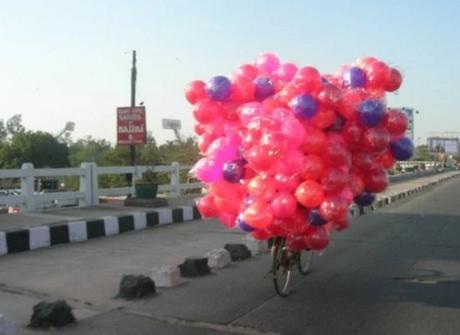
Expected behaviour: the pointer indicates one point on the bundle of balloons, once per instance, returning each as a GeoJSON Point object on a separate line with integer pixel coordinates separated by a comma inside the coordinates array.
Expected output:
{"type": "Point", "coordinates": [287, 150]}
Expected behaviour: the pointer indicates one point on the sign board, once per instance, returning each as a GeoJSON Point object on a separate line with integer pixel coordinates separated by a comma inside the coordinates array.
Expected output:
{"type": "Point", "coordinates": [131, 128]}
{"type": "Point", "coordinates": [410, 127]}
{"type": "Point", "coordinates": [171, 124]}
{"type": "Point", "coordinates": [450, 146]}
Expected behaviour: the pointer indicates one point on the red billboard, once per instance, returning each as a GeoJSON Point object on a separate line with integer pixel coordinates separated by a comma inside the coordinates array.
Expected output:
{"type": "Point", "coordinates": [131, 127]}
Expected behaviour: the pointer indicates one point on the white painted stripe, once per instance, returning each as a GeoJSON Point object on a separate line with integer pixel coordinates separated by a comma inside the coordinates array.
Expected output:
{"type": "Point", "coordinates": [140, 221]}
{"type": "Point", "coordinates": [187, 213]}
{"type": "Point", "coordinates": [39, 237]}
{"type": "Point", "coordinates": [77, 231]}
{"type": "Point", "coordinates": [111, 225]}
{"type": "Point", "coordinates": [3, 246]}
{"type": "Point", "coordinates": [164, 215]}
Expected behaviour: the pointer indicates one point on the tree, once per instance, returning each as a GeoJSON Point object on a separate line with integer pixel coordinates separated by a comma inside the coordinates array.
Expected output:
{"type": "Point", "coordinates": [88, 150]}
{"type": "Point", "coordinates": [39, 148]}
{"type": "Point", "coordinates": [422, 153]}
{"type": "Point", "coordinates": [3, 132]}
{"type": "Point", "coordinates": [183, 152]}
{"type": "Point", "coordinates": [14, 125]}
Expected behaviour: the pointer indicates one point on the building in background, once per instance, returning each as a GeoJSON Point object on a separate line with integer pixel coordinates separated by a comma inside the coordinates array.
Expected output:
{"type": "Point", "coordinates": [444, 144]}
{"type": "Point", "coordinates": [409, 111]}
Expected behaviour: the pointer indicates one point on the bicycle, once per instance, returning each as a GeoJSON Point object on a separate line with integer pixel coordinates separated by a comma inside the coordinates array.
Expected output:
{"type": "Point", "coordinates": [284, 260]}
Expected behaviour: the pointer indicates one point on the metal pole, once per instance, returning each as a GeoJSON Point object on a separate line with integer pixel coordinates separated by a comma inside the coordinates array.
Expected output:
{"type": "Point", "coordinates": [133, 104]}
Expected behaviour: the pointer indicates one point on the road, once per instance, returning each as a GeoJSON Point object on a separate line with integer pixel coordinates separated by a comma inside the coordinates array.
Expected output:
{"type": "Point", "coordinates": [395, 271]}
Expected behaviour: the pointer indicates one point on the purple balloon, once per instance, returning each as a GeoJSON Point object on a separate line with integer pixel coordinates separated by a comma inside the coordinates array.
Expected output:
{"type": "Point", "coordinates": [365, 199]}
{"type": "Point", "coordinates": [304, 106]}
{"type": "Point", "coordinates": [233, 171]}
{"type": "Point", "coordinates": [244, 226]}
{"type": "Point", "coordinates": [402, 149]}
{"type": "Point", "coordinates": [264, 88]}
{"type": "Point", "coordinates": [355, 77]}
{"type": "Point", "coordinates": [371, 113]}
{"type": "Point", "coordinates": [315, 219]}
{"type": "Point", "coordinates": [219, 88]}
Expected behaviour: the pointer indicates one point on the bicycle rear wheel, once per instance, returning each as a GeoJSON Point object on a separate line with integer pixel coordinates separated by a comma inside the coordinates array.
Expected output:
{"type": "Point", "coordinates": [305, 259]}
{"type": "Point", "coordinates": [281, 270]}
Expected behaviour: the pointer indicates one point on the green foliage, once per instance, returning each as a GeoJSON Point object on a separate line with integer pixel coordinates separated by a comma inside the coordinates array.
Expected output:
{"type": "Point", "coordinates": [422, 153]}
{"type": "Point", "coordinates": [184, 152]}
{"type": "Point", "coordinates": [39, 148]}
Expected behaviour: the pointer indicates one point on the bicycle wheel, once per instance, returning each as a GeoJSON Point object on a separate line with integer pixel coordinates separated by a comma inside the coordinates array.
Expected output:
{"type": "Point", "coordinates": [281, 271]}
{"type": "Point", "coordinates": [305, 259]}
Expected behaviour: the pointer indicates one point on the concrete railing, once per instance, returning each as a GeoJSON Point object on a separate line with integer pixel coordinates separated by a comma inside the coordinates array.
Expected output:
{"type": "Point", "coordinates": [89, 191]}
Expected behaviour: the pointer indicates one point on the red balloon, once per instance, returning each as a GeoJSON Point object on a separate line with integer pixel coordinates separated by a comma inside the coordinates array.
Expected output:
{"type": "Point", "coordinates": [206, 111]}
{"type": "Point", "coordinates": [363, 161]}
{"type": "Point", "coordinates": [296, 242]}
{"type": "Point", "coordinates": [260, 235]}
{"type": "Point", "coordinates": [207, 207]}
{"type": "Point", "coordinates": [352, 133]}
{"type": "Point", "coordinates": [342, 224]}
{"type": "Point", "coordinates": [287, 183]}
{"type": "Point", "coordinates": [376, 139]}
{"type": "Point", "coordinates": [308, 79]}
{"type": "Point", "coordinates": [378, 74]}
{"type": "Point", "coordinates": [336, 153]}
{"type": "Point", "coordinates": [317, 238]}
{"type": "Point", "coordinates": [324, 118]}
{"type": "Point", "coordinates": [376, 181]}
{"type": "Point", "coordinates": [278, 228]}
{"type": "Point", "coordinates": [262, 186]}
{"type": "Point", "coordinates": [291, 163]}
{"type": "Point", "coordinates": [288, 93]}
{"type": "Point", "coordinates": [227, 219]}
{"type": "Point", "coordinates": [396, 122]}
{"type": "Point", "coordinates": [196, 91]}
{"type": "Point", "coordinates": [394, 80]}
{"type": "Point", "coordinates": [334, 180]}
{"type": "Point", "coordinates": [387, 160]}
{"type": "Point", "coordinates": [224, 189]}
{"type": "Point", "coordinates": [258, 215]}
{"type": "Point", "coordinates": [356, 184]}
{"type": "Point", "coordinates": [310, 194]}
{"type": "Point", "coordinates": [247, 70]}
{"type": "Point", "coordinates": [315, 141]}
{"type": "Point", "coordinates": [261, 158]}
{"type": "Point", "coordinates": [313, 167]}
{"type": "Point", "coordinates": [330, 95]}
{"type": "Point", "coordinates": [284, 205]}
{"type": "Point", "coordinates": [231, 206]}
{"type": "Point", "coordinates": [204, 141]}
{"type": "Point", "coordinates": [348, 107]}
{"type": "Point", "coordinates": [199, 129]}
{"type": "Point", "coordinates": [274, 141]}
{"type": "Point", "coordinates": [365, 61]}
{"type": "Point", "coordinates": [333, 208]}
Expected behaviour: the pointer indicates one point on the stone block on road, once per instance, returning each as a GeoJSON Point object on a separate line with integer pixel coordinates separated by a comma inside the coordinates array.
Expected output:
{"type": "Point", "coordinates": [55, 314]}
{"type": "Point", "coordinates": [195, 267]}
{"type": "Point", "coordinates": [134, 287]}
{"type": "Point", "coordinates": [7, 327]}
{"type": "Point", "coordinates": [219, 258]}
{"type": "Point", "coordinates": [238, 251]}
{"type": "Point", "coordinates": [166, 276]}
{"type": "Point", "coordinates": [255, 246]}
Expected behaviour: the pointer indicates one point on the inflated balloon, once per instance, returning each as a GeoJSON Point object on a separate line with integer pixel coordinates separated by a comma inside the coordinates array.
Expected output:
{"type": "Point", "coordinates": [219, 88]}
{"type": "Point", "coordinates": [402, 149]}
{"type": "Point", "coordinates": [309, 194]}
{"type": "Point", "coordinates": [396, 122]}
{"type": "Point", "coordinates": [264, 87]}
{"type": "Point", "coordinates": [304, 106]}
{"type": "Point", "coordinates": [371, 113]}
{"type": "Point", "coordinates": [286, 149]}
{"type": "Point", "coordinates": [365, 199]}
{"type": "Point", "coordinates": [196, 91]}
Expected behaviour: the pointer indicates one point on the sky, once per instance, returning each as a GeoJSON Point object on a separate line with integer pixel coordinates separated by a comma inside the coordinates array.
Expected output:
{"type": "Point", "coordinates": [70, 60]}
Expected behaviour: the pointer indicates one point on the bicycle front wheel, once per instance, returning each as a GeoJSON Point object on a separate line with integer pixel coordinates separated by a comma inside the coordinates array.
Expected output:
{"type": "Point", "coordinates": [281, 270]}
{"type": "Point", "coordinates": [305, 260]}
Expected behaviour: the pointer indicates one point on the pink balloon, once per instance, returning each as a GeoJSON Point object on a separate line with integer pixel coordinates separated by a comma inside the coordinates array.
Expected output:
{"type": "Point", "coordinates": [208, 169]}
{"type": "Point", "coordinates": [267, 62]}
{"type": "Point", "coordinates": [223, 149]}
{"type": "Point", "coordinates": [228, 220]}
{"type": "Point", "coordinates": [294, 132]}
{"type": "Point", "coordinates": [248, 111]}
{"type": "Point", "coordinates": [286, 72]}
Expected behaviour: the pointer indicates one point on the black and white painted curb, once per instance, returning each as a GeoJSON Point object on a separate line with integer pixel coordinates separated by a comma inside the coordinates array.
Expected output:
{"type": "Point", "coordinates": [83, 230]}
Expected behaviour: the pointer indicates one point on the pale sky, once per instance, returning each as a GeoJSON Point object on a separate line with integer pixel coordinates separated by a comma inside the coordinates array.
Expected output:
{"type": "Point", "coordinates": [70, 60]}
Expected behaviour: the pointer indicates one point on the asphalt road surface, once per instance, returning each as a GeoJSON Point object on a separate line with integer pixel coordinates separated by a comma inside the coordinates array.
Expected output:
{"type": "Point", "coordinates": [395, 271]}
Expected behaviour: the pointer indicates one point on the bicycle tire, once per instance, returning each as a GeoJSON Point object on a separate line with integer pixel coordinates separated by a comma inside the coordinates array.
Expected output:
{"type": "Point", "coordinates": [279, 268]}
{"type": "Point", "coordinates": [305, 260]}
